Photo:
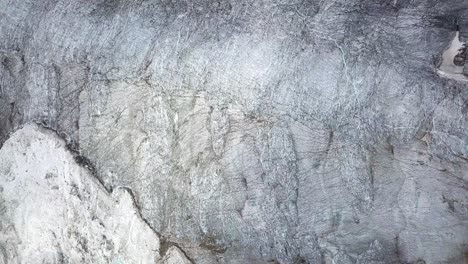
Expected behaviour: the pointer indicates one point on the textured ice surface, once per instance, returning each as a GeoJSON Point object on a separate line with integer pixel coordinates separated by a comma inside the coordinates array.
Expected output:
{"type": "Point", "coordinates": [258, 131]}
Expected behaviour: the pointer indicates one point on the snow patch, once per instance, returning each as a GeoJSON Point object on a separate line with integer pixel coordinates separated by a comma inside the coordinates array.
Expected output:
{"type": "Point", "coordinates": [448, 68]}
{"type": "Point", "coordinates": [54, 211]}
